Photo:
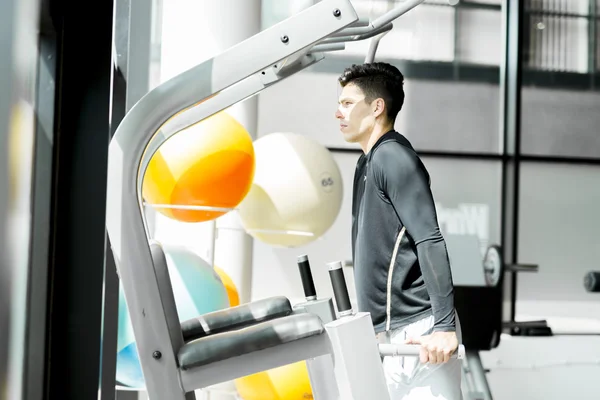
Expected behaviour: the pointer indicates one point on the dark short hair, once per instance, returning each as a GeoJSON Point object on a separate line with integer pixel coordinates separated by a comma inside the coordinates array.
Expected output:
{"type": "Point", "coordinates": [377, 80]}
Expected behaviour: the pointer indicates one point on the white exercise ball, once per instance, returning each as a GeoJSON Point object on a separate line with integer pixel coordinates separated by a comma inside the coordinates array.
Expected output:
{"type": "Point", "coordinates": [297, 191]}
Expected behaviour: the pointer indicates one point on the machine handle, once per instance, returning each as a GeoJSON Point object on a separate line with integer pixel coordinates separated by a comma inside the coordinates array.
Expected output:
{"type": "Point", "coordinates": [307, 279]}
{"type": "Point", "coordinates": [591, 281]}
{"type": "Point", "coordinates": [522, 267]}
{"type": "Point", "coordinates": [398, 350]}
{"type": "Point", "coordinates": [340, 289]}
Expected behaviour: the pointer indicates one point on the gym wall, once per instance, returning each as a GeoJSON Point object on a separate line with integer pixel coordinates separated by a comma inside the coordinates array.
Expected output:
{"type": "Point", "coordinates": [447, 116]}
{"type": "Point", "coordinates": [441, 115]}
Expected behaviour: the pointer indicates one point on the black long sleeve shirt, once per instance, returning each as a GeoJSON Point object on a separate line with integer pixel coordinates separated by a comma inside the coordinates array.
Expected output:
{"type": "Point", "coordinates": [401, 265]}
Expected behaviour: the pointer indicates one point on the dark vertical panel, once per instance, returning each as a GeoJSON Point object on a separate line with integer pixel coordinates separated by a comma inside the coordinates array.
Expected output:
{"type": "Point", "coordinates": [41, 214]}
{"type": "Point", "coordinates": [78, 243]}
{"type": "Point", "coordinates": [110, 314]}
{"type": "Point", "coordinates": [511, 133]}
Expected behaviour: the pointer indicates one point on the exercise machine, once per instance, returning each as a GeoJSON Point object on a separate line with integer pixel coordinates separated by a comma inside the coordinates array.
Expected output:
{"type": "Point", "coordinates": [179, 357]}
{"type": "Point", "coordinates": [324, 307]}
{"type": "Point", "coordinates": [321, 369]}
{"type": "Point", "coordinates": [479, 298]}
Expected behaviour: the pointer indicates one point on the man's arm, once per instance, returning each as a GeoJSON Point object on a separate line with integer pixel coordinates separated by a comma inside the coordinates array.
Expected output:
{"type": "Point", "coordinates": [403, 179]}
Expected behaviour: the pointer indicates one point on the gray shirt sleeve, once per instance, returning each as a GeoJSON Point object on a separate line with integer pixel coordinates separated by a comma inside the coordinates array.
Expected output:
{"type": "Point", "coordinates": [403, 179]}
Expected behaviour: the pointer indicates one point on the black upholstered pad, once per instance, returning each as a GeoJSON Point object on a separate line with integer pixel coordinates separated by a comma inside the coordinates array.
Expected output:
{"type": "Point", "coordinates": [256, 337]}
{"type": "Point", "coordinates": [236, 317]}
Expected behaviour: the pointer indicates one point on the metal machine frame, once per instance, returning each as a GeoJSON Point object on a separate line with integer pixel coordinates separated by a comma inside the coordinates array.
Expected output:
{"type": "Point", "coordinates": [237, 73]}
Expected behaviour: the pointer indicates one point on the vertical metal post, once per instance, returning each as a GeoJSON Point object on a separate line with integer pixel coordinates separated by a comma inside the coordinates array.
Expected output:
{"type": "Point", "coordinates": [478, 377]}
{"type": "Point", "coordinates": [456, 42]}
{"type": "Point", "coordinates": [139, 50]}
{"type": "Point", "coordinates": [130, 82]}
{"type": "Point", "coordinates": [592, 40]}
{"type": "Point", "coordinates": [242, 23]}
{"type": "Point", "coordinates": [510, 131]}
{"type": "Point", "coordinates": [110, 309]}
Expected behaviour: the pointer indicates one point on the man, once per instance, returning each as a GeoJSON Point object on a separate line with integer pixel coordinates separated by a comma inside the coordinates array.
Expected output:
{"type": "Point", "coordinates": [401, 264]}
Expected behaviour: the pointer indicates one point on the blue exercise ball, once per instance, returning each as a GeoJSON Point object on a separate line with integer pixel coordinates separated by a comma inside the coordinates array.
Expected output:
{"type": "Point", "coordinates": [197, 289]}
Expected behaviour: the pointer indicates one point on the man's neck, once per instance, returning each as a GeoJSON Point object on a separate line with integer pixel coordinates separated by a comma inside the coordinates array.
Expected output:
{"type": "Point", "coordinates": [378, 132]}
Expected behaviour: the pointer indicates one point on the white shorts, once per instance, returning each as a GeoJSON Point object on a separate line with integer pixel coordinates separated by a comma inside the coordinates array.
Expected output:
{"type": "Point", "coordinates": [408, 379]}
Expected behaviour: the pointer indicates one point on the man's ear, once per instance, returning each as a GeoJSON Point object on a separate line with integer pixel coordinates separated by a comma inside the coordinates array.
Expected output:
{"type": "Point", "coordinates": [378, 106]}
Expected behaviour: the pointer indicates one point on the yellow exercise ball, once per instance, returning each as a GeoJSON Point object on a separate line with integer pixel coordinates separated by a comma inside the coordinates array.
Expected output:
{"type": "Point", "coordinates": [209, 164]}
{"type": "Point", "coordinates": [297, 191]}
{"type": "Point", "coordinates": [232, 292]}
{"type": "Point", "coordinates": [288, 382]}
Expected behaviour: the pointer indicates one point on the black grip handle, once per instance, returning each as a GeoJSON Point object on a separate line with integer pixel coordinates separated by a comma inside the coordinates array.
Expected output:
{"type": "Point", "coordinates": [340, 289]}
{"type": "Point", "coordinates": [591, 281]}
{"type": "Point", "coordinates": [307, 279]}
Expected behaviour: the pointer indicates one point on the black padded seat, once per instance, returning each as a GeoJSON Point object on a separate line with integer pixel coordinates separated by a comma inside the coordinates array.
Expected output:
{"type": "Point", "coordinates": [222, 346]}
{"type": "Point", "coordinates": [236, 317]}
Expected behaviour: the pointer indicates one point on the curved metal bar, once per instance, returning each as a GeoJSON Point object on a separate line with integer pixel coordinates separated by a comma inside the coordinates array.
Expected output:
{"type": "Point", "coordinates": [369, 34]}
{"type": "Point", "coordinates": [385, 19]}
{"type": "Point", "coordinates": [395, 13]}
{"type": "Point", "coordinates": [328, 47]}
{"type": "Point", "coordinates": [360, 22]}
{"type": "Point", "coordinates": [355, 31]}
{"type": "Point", "coordinates": [373, 45]}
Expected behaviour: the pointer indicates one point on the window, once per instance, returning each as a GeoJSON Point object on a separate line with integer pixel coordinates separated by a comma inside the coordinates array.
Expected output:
{"type": "Point", "coordinates": [558, 230]}
{"type": "Point", "coordinates": [561, 49]}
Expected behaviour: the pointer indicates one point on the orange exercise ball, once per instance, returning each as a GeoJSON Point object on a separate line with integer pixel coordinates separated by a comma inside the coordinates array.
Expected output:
{"type": "Point", "coordinates": [209, 164]}
{"type": "Point", "coordinates": [288, 382]}
{"type": "Point", "coordinates": [232, 292]}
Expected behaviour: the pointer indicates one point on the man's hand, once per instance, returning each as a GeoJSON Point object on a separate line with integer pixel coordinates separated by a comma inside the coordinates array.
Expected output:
{"type": "Point", "coordinates": [437, 347]}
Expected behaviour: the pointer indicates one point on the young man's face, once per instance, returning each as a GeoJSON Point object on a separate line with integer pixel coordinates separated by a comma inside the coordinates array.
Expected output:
{"type": "Point", "coordinates": [355, 116]}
